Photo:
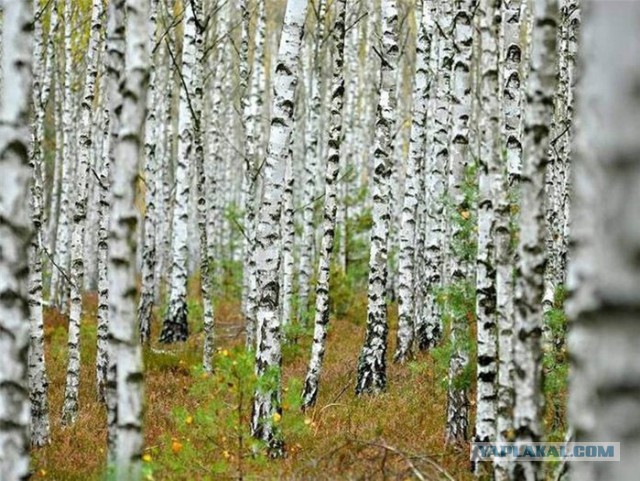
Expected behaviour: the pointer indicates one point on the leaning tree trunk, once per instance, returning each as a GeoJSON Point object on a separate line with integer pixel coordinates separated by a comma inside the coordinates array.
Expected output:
{"type": "Point", "coordinates": [310, 392]}
{"type": "Point", "coordinates": [83, 150]}
{"type": "Point", "coordinates": [175, 327]}
{"type": "Point", "coordinates": [372, 375]}
{"type": "Point", "coordinates": [124, 337]}
{"type": "Point", "coordinates": [407, 265]}
{"type": "Point", "coordinates": [511, 145]}
{"type": "Point", "coordinates": [604, 386]}
{"type": "Point", "coordinates": [314, 134]}
{"type": "Point", "coordinates": [15, 237]}
{"type": "Point", "coordinates": [457, 266]}
{"type": "Point", "coordinates": [266, 403]}
{"type": "Point", "coordinates": [529, 397]}
{"type": "Point", "coordinates": [488, 167]}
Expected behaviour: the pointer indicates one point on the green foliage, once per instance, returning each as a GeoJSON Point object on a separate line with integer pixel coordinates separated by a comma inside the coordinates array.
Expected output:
{"type": "Point", "coordinates": [555, 361]}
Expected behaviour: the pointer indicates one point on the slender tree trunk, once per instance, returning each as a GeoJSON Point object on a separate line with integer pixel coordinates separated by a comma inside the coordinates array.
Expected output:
{"type": "Point", "coordinates": [511, 133]}
{"type": "Point", "coordinates": [83, 150]}
{"type": "Point", "coordinates": [429, 325]}
{"type": "Point", "coordinates": [529, 397]}
{"type": "Point", "coordinates": [15, 238]}
{"type": "Point", "coordinates": [457, 266]}
{"type": "Point", "coordinates": [372, 375]}
{"type": "Point", "coordinates": [314, 137]}
{"type": "Point", "coordinates": [488, 177]}
{"type": "Point", "coordinates": [124, 337]}
{"type": "Point", "coordinates": [115, 67]}
{"type": "Point", "coordinates": [267, 252]}
{"type": "Point", "coordinates": [310, 392]}
{"type": "Point", "coordinates": [149, 251]}
{"type": "Point", "coordinates": [418, 145]}
{"type": "Point", "coordinates": [254, 141]}
{"type": "Point", "coordinates": [175, 327]}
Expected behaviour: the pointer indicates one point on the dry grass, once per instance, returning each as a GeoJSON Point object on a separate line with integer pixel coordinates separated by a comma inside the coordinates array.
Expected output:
{"type": "Point", "coordinates": [392, 436]}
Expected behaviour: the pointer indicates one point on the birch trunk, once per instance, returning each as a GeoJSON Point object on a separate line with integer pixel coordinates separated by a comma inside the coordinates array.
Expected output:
{"type": "Point", "coordinates": [115, 44]}
{"type": "Point", "coordinates": [372, 376]}
{"type": "Point", "coordinates": [310, 392]}
{"type": "Point", "coordinates": [38, 381]}
{"type": "Point", "coordinates": [407, 238]}
{"type": "Point", "coordinates": [254, 142]}
{"type": "Point", "coordinates": [124, 338]}
{"type": "Point", "coordinates": [83, 149]}
{"type": "Point", "coordinates": [429, 325]}
{"type": "Point", "coordinates": [488, 172]}
{"type": "Point", "coordinates": [529, 397]}
{"type": "Point", "coordinates": [603, 340]}
{"type": "Point", "coordinates": [457, 267]}
{"type": "Point", "coordinates": [314, 137]}
{"type": "Point", "coordinates": [175, 327]}
{"type": "Point", "coordinates": [267, 252]}
{"type": "Point", "coordinates": [15, 237]}
{"type": "Point", "coordinates": [151, 171]}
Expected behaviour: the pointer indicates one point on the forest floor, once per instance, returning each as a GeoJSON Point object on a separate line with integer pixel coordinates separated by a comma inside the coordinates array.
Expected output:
{"type": "Point", "coordinates": [196, 425]}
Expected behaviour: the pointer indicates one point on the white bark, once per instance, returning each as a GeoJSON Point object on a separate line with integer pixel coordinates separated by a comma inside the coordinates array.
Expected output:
{"type": "Point", "coordinates": [15, 236]}
{"type": "Point", "coordinates": [124, 336]}
{"type": "Point", "coordinates": [372, 376]}
{"type": "Point", "coordinates": [267, 251]}
{"type": "Point", "coordinates": [83, 150]}
{"type": "Point", "coordinates": [603, 391]}
{"type": "Point", "coordinates": [488, 172]}
{"type": "Point", "coordinates": [151, 171]}
{"type": "Point", "coordinates": [38, 381]}
{"type": "Point", "coordinates": [115, 44]}
{"type": "Point", "coordinates": [310, 392]}
{"type": "Point", "coordinates": [456, 266]}
{"type": "Point", "coordinates": [511, 144]}
{"type": "Point", "coordinates": [429, 323]}
{"type": "Point", "coordinates": [175, 327]}
{"type": "Point", "coordinates": [254, 141]}
{"type": "Point", "coordinates": [314, 137]}
{"type": "Point", "coordinates": [531, 247]}
{"type": "Point", "coordinates": [407, 237]}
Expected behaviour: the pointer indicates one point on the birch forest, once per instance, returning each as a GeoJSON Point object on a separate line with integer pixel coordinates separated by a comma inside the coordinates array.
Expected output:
{"type": "Point", "coordinates": [318, 239]}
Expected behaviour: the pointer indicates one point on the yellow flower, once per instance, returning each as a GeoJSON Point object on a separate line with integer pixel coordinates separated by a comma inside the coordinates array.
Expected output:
{"type": "Point", "coordinates": [42, 473]}
{"type": "Point", "coordinates": [225, 353]}
{"type": "Point", "coordinates": [146, 458]}
{"type": "Point", "coordinates": [226, 454]}
{"type": "Point", "coordinates": [189, 420]}
{"type": "Point", "coordinates": [276, 417]}
{"type": "Point", "coordinates": [307, 421]}
{"type": "Point", "coordinates": [176, 447]}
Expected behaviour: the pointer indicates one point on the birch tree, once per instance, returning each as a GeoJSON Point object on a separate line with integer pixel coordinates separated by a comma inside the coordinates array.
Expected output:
{"type": "Point", "coordinates": [310, 392]}
{"type": "Point", "coordinates": [489, 165]}
{"type": "Point", "coordinates": [407, 237]}
{"type": "Point", "coordinates": [15, 237]}
{"type": "Point", "coordinates": [124, 337]}
{"type": "Point", "coordinates": [372, 376]}
{"type": "Point", "coordinates": [83, 149]}
{"type": "Point", "coordinates": [456, 266]}
{"type": "Point", "coordinates": [151, 171]}
{"type": "Point", "coordinates": [175, 327]}
{"type": "Point", "coordinates": [531, 247]}
{"type": "Point", "coordinates": [511, 143]}
{"type": "Point", "coordinates": [266, 402]}
{"type": "Point", "coordinates": [604, 335]}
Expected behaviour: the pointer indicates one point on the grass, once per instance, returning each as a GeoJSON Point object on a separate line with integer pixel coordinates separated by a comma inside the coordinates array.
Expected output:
{"type": "Point", "coordinates": [194, 425]}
